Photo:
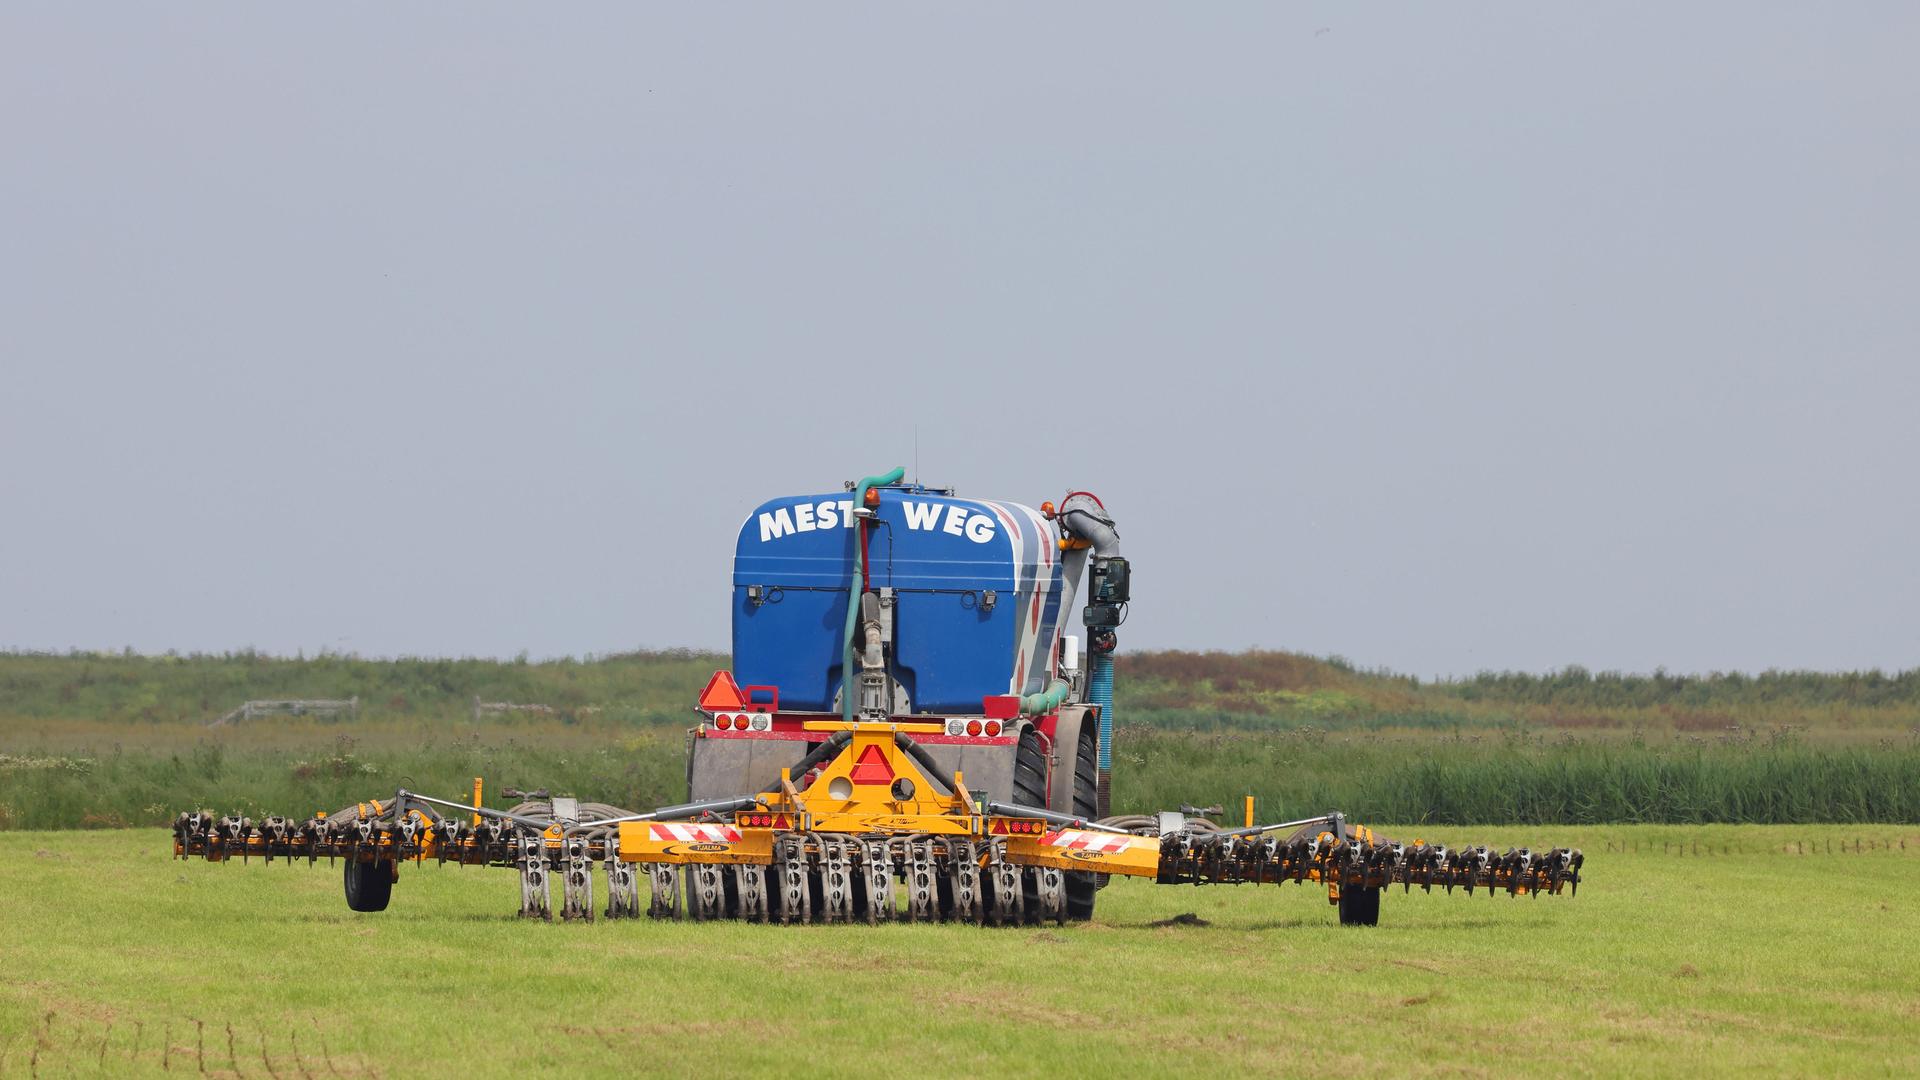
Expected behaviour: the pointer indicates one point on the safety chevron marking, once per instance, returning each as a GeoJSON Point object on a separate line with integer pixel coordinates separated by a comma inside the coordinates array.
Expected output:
{"type": "Point", "coordinates": [711, 834]}
{"type": "Point", "coordinates": [1081, 840]}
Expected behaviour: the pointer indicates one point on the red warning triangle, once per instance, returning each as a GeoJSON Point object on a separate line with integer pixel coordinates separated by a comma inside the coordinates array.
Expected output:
{"type": "Point", "coordinates": [871, 768]}
{"type": "Point", "coordinates": [999, 827]}
{"type": "Point", "coordinates": [780, 822]}
{"type": "Point", "coordinates": [722, 693]}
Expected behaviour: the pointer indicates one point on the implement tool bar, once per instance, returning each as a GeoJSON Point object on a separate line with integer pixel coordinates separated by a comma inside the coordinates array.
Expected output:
{"type": "Point", "coordinates": [692, 809]}
{"type": "Point", "coordinates": [532, 823]}
{"type": "Point", "coordinates": [1337, 820]}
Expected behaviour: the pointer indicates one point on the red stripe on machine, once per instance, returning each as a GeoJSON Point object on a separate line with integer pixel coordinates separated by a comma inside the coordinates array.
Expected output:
{"type": "Point", "coordinates": [709, 834]}
{"type": "Point", "coordinates": [1082, 840]}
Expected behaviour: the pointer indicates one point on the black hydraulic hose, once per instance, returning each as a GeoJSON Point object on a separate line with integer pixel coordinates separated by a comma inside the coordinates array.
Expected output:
{"type": "Point", "coordinates": [925, 760]}
{"type": "Point", "coordinates": [815, 756]}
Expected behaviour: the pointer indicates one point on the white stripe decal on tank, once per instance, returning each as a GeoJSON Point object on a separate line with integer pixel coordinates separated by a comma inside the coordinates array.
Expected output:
{"type": "Point", "coordinates": [1040, 659]}
{"type": "Point", "coordinates": [1032, 664]}
{"type": "Point", "coordinates": [1016, 684]}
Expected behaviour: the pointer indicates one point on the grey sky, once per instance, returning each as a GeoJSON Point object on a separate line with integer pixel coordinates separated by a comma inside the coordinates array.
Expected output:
{"type": "Point", "coordinates": [1439, 337]}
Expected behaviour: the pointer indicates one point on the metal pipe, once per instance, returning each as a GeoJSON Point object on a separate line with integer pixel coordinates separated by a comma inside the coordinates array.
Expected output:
{"type": "Point", "coordinates": [1323, 819]}
{"type": "Point", "coordinates": [854, 586]}
{"type": "Point", "coordinates": [530, 823]}
{"type": "Point", "coordinates": [1082, 515]}
{"type": "Point", "coordinates": [716, 806]}
{"type": "Point", "coordinates": [1016, 810]}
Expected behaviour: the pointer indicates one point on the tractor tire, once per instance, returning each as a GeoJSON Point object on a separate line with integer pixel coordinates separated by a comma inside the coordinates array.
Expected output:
{"type": "Point", "coordinates": [1360, 906]}
{"type": "Point", "coordinates": [1082, 886]}
{"type": "Point", "coordinates": [1029, 768]}
{"type": "Point", "coordinates": [1080, 767]}
{"type": "Point", "coordinates": [369, 884]}
{"type": "Point", "coordinates": [1029, 789]}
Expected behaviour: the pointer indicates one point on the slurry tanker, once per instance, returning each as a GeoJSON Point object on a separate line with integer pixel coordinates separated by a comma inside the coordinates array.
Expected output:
{"type": "Point", "coordinates": [907, 732]}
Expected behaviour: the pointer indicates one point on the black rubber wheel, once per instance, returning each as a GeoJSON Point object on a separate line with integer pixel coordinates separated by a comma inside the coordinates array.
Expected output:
{"type": "Point", "coordinates": [1360, 906]}
{"type": "Point", "coordinates": [369, 884]}
{"type": "Point", "coordinates": [1029, 769]}
{"type": "Point", "coordinates": [1029, 789]}
{"type": "Point", "coordinates": [1082, 886]}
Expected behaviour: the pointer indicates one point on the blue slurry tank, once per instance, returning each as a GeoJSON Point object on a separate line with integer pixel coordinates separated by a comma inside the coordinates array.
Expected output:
{"type": "Point", "coordinates": [977, 588]}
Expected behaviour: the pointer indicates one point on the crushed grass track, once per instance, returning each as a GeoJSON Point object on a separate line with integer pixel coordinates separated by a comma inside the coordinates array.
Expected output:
{"type": "Point", "coordinates": [120, 961]}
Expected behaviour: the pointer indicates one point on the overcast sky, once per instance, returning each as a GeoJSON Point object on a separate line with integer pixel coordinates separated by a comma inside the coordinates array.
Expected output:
{"type": "Point", "coordinates": [1442, 338]}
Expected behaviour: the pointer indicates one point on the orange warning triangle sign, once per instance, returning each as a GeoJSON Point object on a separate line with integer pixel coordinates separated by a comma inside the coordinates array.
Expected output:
{"type": "Point", "coordinates": [722, 693]}
{"type": "Point", "coordinates": [871, 768]}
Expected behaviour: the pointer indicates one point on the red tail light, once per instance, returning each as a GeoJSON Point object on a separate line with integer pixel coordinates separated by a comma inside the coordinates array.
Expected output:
{"type": "Point", "coordinates": [973, 727]}
{"type": "Point", "coordinates": [993, 727]}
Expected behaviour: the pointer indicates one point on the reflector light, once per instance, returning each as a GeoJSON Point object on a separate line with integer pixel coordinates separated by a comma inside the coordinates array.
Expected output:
{"type": "Point", "coordinates": [722, 693]}
{"type": "Point", "coordinates": [762, 723]}
{"type": "Point", "coordinates": [956, 727]}
{"type": "Point", "coordinates": [871, 768]}
{"type": "Point", "coordinates": [993, 727]}
{"type": "Point", "coordinates": [973, 727]}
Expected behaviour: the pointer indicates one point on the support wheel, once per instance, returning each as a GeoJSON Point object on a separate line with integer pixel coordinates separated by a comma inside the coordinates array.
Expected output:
{"type": "Point", "coordinates": [1360, 906]}
{"type": "Point", "coordinates": [369, 884]}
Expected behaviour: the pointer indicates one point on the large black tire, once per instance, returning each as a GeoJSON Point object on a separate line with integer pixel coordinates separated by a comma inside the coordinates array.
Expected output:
{"type": "Point", "coordinates": [1360, 907]}
{"type": "Point", "coordinates": [1030, 789]}
{"type": "Point", "coordinates": [369, 884]}
{"type": "Point", "coordinates": [1081, 887]}
{"type": "Point", "coordinates": [1029, 769]}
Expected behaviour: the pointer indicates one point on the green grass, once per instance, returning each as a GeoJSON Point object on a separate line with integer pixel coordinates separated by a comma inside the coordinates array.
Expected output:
{"type": "Point", "coordinates": [1668, 963]}
{"type": "Point", "coordinates": [1519, 775]}
{"type": "Point", "coordinates": [47, 690]}
{"type": "Point", "coordinates": [1473, 777]}
{"type": "Point", "coordinates": [107, 740]}
{"type": "Point", "coordinates": [1250, 688]}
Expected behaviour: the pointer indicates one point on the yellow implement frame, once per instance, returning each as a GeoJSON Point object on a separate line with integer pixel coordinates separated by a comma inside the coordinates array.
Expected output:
{"type": "Point", "coordinates": [874, 786]}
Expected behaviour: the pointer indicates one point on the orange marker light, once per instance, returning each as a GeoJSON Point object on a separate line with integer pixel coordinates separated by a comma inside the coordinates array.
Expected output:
{"type": "Point", "coordinates": [873, 497]}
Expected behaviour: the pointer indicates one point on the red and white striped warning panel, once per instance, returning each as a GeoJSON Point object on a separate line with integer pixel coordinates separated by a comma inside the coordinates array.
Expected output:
{"type": "Point", "coordinates": [1083, 840]}
{"type": "Point", "coordinates": [710, 834]}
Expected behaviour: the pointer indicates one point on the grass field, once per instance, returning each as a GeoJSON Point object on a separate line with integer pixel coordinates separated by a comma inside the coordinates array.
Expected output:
{"type": "Point", "coordinates": [1701, 950]}
{"type": "Point", "coordinates": [92, 740]}
{"type": "Point", "coordinates": [296, 767]}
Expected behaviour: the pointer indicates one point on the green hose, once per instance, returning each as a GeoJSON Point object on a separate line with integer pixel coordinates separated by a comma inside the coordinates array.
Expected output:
{"type": "Point", "coordinates": [1044, 703]}
{"type": "Point", "coordinates": [853, 587]}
